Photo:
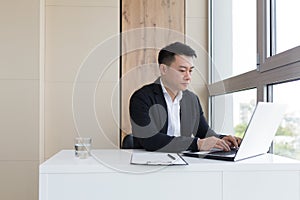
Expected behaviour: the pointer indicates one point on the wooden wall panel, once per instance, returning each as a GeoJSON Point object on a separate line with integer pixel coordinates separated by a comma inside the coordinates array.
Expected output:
{"type": "Point", "coordinates": [147, 26]}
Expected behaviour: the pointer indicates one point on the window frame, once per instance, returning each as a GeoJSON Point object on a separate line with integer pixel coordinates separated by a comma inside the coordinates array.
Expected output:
{"type": "Point", "coordinates": [287, 57]}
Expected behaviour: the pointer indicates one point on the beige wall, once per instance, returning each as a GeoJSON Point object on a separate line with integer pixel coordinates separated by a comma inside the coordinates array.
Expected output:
{"type": "Point", "coordinates": [197, 35]}
{"type": "Point", "coordinates": [28, 86]}
{"type": "Point", "coordinates": [19, 99]}
{"type": "Point", "coordinates": [73, 30]}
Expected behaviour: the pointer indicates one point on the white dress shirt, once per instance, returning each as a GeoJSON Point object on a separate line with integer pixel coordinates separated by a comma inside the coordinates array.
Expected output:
{"type": "Point", "coordinates": [173, 112]}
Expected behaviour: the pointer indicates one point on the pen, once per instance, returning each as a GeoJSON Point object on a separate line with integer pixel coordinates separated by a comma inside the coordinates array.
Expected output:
{"type": "Point", "coordinates": [173, 158]}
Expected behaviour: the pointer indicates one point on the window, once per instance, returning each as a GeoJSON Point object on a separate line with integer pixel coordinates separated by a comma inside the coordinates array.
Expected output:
{"type": "Point", "coordinates": [232, 112]}
{"type": "Point", "coordinates": [240, 30]}
{"type": "Point", "coordinates": [287, 34]}
{"type": "Point", "coordinates": [287, 139]}
{"type": "Point", "coordinates": [234, 37]}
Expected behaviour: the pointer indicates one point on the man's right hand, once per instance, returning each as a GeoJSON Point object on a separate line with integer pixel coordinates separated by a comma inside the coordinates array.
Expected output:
{"type": "Point", "coordinates": [207, 144]}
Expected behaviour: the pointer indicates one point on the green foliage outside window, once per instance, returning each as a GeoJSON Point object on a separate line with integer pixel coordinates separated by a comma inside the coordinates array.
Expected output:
{"type": "Point", "coordinates": [240, 129]}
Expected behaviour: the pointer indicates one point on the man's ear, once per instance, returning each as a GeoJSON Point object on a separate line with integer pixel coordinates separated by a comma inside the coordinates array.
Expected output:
{"type": "Point", "coordinates": [163, 68]}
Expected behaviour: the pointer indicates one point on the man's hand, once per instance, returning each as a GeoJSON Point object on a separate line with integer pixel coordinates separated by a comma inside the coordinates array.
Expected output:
{"type": "Point", "coordinates": [207, 144]}
{"type": "Point", "coordinates": [232, 141]}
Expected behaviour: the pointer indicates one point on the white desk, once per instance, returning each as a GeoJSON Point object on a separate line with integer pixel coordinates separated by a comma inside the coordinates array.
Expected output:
{"type": "Point", "coordinates": [108, 175]}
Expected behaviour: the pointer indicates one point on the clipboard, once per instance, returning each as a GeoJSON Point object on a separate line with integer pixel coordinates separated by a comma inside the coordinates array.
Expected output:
{"type": "Point", "coordinates": [156, 158]}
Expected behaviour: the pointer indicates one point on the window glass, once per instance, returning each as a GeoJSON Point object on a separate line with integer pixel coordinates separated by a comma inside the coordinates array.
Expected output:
{"type": "Point", "coordinates": [232, 112]}
{"type": "Point", "coordinates": [233, 38]}
{"type": "Point", "coordinates": [287, 28]}
{"type": "Point", "coordinates": [287, 139]}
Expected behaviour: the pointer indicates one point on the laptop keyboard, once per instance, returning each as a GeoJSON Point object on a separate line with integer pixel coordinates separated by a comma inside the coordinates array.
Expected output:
{"type": "Point", "coordinates": [224, 153]}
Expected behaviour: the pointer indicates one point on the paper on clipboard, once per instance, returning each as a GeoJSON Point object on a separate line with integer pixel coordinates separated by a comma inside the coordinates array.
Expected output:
{"type": "Point", "coordinates": [156, 158]}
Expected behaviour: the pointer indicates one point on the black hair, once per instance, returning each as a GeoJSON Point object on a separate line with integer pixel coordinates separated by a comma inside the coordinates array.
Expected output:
{"type": "Point", "coordinates": [166, 54]}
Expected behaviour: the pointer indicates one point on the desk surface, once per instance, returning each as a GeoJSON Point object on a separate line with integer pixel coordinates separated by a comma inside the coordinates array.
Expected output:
{"type": "Point", "coordinates": [108, 174]}
{"type": "Point", "coordinates": [114, 160]}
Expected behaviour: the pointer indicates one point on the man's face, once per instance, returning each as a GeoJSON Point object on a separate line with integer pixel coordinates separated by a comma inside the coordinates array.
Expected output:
{"type": "Point", "coordinates": [177, 76]}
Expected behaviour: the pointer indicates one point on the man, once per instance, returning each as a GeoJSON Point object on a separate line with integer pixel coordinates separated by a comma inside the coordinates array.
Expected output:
{"type": "Point", "coordinates": [165, 116]}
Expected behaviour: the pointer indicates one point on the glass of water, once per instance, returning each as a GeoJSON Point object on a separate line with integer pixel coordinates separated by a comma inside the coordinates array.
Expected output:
{"type": "Point", "coordinates": [83, 147]}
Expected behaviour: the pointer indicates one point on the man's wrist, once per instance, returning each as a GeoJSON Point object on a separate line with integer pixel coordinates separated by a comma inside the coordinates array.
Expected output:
{"type": "Point", "coordinates": [199, 143]}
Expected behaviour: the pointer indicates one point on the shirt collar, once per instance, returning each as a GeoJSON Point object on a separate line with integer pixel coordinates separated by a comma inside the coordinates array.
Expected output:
{"type": "Point", "coordinates": [178, 96]}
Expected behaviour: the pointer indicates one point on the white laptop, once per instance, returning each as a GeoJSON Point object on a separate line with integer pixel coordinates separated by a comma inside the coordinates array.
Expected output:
{"type": "Point", "coordinates": [257, 138]}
